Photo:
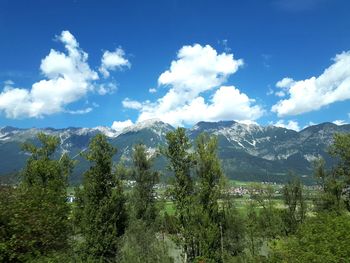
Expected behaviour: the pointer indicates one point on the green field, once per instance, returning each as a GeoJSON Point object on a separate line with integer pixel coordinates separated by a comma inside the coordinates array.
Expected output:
{"type": "Point", "coordinates": [241, 203]}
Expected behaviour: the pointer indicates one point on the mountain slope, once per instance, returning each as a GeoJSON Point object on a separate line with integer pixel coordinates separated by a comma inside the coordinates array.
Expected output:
{"type": "Point", "coordinates": [247, 151]}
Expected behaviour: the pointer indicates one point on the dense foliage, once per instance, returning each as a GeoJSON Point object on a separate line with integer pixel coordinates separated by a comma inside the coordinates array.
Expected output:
{"type": "Point", "coordinates": [100, 215]}
{"type": "Point", "coordinates": [323, 238]}
{"type": "Point", "coordinates": [124, 214]}
{"type": "Point", "coordinates": [34, 216]}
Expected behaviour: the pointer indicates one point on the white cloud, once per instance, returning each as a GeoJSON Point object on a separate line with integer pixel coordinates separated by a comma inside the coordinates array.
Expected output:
{"type": "Point", "coordinates": [112, 61]}
{"type": "Point", "coordinates": [79, 112]}
{"type": "Point", "coordinates": [270, 92]}
{"type": "Point", "coordinates": [284, 86]}
{"type": "Point", "coordinates": [152, 90]}
{"type": "Point", "coordinates": [227, 103]}
{"type": "Point", "coordinates": [280, 93]}
{"type": "Point", "coordinates": [316, 92]}
{"type": "Point", "coordinates": [68, 78]}
{"type": "Point", "coordinates": [9, 82]}
{"type": "Point", "coordinates": [224, 44]}
{"type": "Point", "coordinates": [131, 104]}
{"type": "Point", "coordinates": [340, 122]}
{"type": "Point", "coordinates": [120, 125]}
{"type": "Point", "coordinates": [285, 83]}
{"type": "Point", "coordinates": [106, 88]}
{"type": "Point", "coordinates": [291, 125]}
{"type": "Point", "coordinates": [198, 69]}
{"type": "Point", "coordinates": [95, 105]}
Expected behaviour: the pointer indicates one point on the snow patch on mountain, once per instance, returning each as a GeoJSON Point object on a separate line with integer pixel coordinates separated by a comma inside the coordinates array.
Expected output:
{"type": "Point", "coordinates": [155, 125]}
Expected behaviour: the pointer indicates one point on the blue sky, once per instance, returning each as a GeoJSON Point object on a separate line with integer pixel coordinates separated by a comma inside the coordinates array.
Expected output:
{"type": "Point", "coordinates": [92, 63]}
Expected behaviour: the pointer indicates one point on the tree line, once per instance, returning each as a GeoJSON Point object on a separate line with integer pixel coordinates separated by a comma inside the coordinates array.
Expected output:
{"type": "Point", "coordinates": [109, 222]}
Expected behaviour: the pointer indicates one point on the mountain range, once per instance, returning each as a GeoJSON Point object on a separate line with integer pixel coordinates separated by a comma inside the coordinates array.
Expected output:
{"type": "Point", "coordinates": [247, 151]}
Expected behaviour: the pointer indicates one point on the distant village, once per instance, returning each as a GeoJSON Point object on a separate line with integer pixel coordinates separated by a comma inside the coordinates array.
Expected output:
{"type": "Point", "coordinates": [247, 190]}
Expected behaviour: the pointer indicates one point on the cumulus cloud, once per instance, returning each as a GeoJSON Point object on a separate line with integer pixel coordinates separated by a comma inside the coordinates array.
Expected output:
{"type": "Point", "coordinates": [198, 69]}
{"type": "Point", "coordinates": [120, 125]}
{"type": "Point", "coordinates": [316, 92]}
{"type": "Point", "coordinates": [68, 78]}
{"type": "Point", "coordinates": [340, 122]}
{"type": "Point", "coordinates": [227, 103]}
{"type": "Point", "coordinates": [291, 125]}
{"type": "Point", "coordinates": [112, 61]}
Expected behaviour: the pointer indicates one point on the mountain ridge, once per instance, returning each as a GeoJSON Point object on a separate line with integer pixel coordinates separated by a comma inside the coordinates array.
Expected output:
{"type": "Point", "coordinates": [247, 151]}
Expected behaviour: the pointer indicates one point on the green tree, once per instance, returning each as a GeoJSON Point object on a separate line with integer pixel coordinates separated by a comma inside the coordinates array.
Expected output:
{"type": "Point", "coordinates": [341, 150]}
{"type": "Point", "coordinates": [294, 200]}
{"type": "Point", "coordinates": [220, 226]}
{"type": "Point", "coordinates": [254, 235]}
{"type": "Point", "coordinates": [141, 245]}
{"type": "Point", "coordinates": [181, 161]}
{"type": "Point", "coordinates": [209, 174]}
{"type": "Point", "coordinates": [269, 217]}
{"type": "Point", "coordinates": [39, 222]}
{"type": "Point", "coordinates": [100, 213]}
{"type": "Point", "coordinates": [232, 231]}
{"type": "Point", "coordinates": [332, 185]}
{"type": "Point", "coordinates": [141, 242]}
{"type": "Point", "coordinates": [209, 189]}
{"type": "Point", "coordinates": [7, 194]}
{"type": "Point", "coordinates": [323, 238]}
{"type": "Point", "coordinates": [144, 194]}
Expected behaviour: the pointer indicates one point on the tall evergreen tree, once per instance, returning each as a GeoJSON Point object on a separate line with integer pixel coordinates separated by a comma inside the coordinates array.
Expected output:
{"type": "Point", "coordinates": [100, 214]}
